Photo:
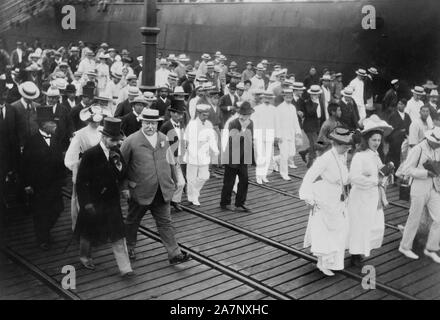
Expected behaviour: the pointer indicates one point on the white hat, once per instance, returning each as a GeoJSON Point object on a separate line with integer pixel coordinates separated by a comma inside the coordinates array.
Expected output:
{"type": "Point", "coordinates": [394, 81]}
{"type": "Point", "coordinates": [133, 91]}
{"type": "Point", "coordinates": [140, 58]}
{"type": "Point", "coordinates": [287, 91]}
{"type": "Point", "coordinates": [52, 92]}
{"type": "Point", "coordinates": [203, 107]}
{"type": "Point", "coordinates": [374, 123]}
{"type": "Point", "coordinates": [171, 56]}
{"type": "Point", "coordinates": [91, 73]}
{"type": "Point", "coordinates": [149, 115]}
{"type": "Point", "coordinates": [149, 96]}
{"type": "Point", "coordinates": [173, 76]}
{"type": "Point", "coordinates": [264, 61]}
{"type": "Point", "coordinates": [206, 56]}
{"type": "Point", "coordinates": [116, 75]}
{"type": "Point", "coordinates": [314, 89]}
{"type": "Point", "coordinates": [418, 90]}
{"type": "Point", "coordinates": [60, 83]}
{"type": "Point", "coordinates": [298, 86]}
{"type": "Point", "coordinates": [260, 67]}
{"type": "Point", "coordinates": [101, 55]}
{"type": "Point", "coordinates": [373, 70]}
{"type": "Point", "coordinates": [347, 92]}
{"type": "Point", "coordinates": [218, 53]}
{"type": "Point", "coordinates": [361, 72]}
{"type": "Point", "coordinates": [433, 135]}
{"type": "Point", "coordinates": [103, 96]}
{"type": "Point", "coordinates": [268, 94]}
{"type": "Point", "coordinates": [33, 67]}
{"type": "Point", "coordinates": [183, 58]}
{"type": "Point", "coordinates": [178, 91]}
{"type": "Point", "coordinates": [140, 99]}
{"type": "Point", "coordinates": [433, 93]}
{"type": "Point", "coordinates": [29, 90]}
{"type": "Point", "coordinates": [163, 61]}
{"type": "Point", "coordinates": [326, 77]}
{"type": "Point", "coordinates": [240, 86]}
{"type": "Point", "coordinates": [93, 113]}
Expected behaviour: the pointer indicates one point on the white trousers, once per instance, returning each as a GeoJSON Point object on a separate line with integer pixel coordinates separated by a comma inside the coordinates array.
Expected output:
{"type": "Point", "coordinates": [287, 151]}
{"type": "Point", "coordinates": [177, 196]}
{"type": "Point", "coordinates": [264, 155]}
{"type": "Point", "coordinates": [430, 200]}
{"type": "Point", "coordinates": [196, 177]}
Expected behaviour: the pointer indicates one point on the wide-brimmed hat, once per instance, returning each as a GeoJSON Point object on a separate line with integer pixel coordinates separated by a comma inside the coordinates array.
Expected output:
{"type": "Point", "coordinates": [374, 123]}
{"type": "Point", "coordinates": [112, 128]}
{"type": "Point", "coordinates": [149, 115]}
{"type": "Point", "coordinates": [361, 72]}
{"type": "Point", "coordinates": [178, 91]}
{"type": "Point", "coordinates": [45, 114]}
{"type": "Point", "coordinates": [430, 85]}
{"type": "Point", "coordinates": [260, 67]}
{"type": "Point", "coordinates": [246, 108]}
{"type": "Point", "coordinates": [373, 70]}
{"type": "Point", "coordinates": [206, 56]}
{"type": "Point", "coordinates": [433, 135]}
{"type": "Point", "coordinates": [298, 86]}
{"type": "Point", "coordinates": [341, 135]}
{"type": "Point", "coordinates": [60, 83]}
{"type": "Point", "coordinates": [347, 92]}
{"type": "Point", "coordinates": [149, 96]}
{"type": "Point", "coordinates": [29, 90]}
{"type": "Point", "coordinates": [139, 99]}
{"type": "Point", "coordinates": [183, 58]}
{"type": "Point", "coordinates": [93, 113]}
{"type": "Point", "coordinates": [52, 92]}
{"type": "Point", "coordinates": [314, 89]}
{"type": "Point", "coordinates": [418, 90]}
{"type": "Point", "coordinates": [177, 106]}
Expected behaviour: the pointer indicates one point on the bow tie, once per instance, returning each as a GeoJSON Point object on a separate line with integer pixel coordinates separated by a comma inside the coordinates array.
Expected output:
{"type": "Point", "coordinates": [46, 136]}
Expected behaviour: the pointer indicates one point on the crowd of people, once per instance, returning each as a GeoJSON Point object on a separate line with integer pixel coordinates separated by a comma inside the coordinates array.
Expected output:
{"type": "Point", "coordinates": [81, 109]}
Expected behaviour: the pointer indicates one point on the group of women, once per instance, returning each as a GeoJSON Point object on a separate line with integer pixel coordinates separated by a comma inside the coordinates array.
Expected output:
{"type": "Point", "coordinates": [347, 200]}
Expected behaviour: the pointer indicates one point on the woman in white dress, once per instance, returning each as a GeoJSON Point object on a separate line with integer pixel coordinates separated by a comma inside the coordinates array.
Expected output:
{"type": "Point", "coordinates": [83, 140]}
{"type": "Point", "coordinates": [324, 187]}
{"type": "Point", "coordinates": [368, 179]}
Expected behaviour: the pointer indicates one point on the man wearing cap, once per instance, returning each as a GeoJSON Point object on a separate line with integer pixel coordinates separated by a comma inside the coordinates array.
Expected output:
{"type": "Point", "coordinates": [228, 104]}
{"type": "Point", "coordinates": [174, 129]}
{"type": "Point", "coordinates": [415, 103]}
{"type": "Point", "coordinates": [264, 119]}
{"type": "Point", "coordinates": [326, 92]}
{"type": "Point", "coordinates": [88, 63]}
{"type": "Point", "coordinates": [130, 122]}
{"type": "Point", "coordinates": [87, 97]}
{"type": "Point", "coordinates": [349, 111]}
{"type": "Point", "coordinates": [288, 132]}
{"type": "Point", "coordinates": [201, 141]}
{"type": "Point", "coordinates": [180, 70]}
{"type": "Point", "coordinates": [258, 80]}
{"type": "Point", "coordinates": [358, 85]}
{"type": "Point", "coordinates": [43, 176]}
{"type": "Point", "coordinates": [425, 193]}
{"type": "Point", "coordinates": [248, 73]}
{"type": "Point", "coordinates": [26, 109]}
{"type": "Point", "coordinates": [162, 73]}
{"type": "Point", "coordinates": [237, 154]}
{"type": "Point", "coordinates": [150, 184]}
{"type": "Point", "coordinates": [131, 82]}
{"type": "Point", "coordinates": [100, 174]}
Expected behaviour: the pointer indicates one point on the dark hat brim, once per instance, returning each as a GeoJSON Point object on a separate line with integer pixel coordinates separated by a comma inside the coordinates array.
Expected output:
{"type": "Point", "coordinates": [120, 136]}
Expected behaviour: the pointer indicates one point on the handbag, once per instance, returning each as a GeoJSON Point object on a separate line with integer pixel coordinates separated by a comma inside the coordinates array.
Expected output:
{"type": "Point", "coordinates": [405, 186]}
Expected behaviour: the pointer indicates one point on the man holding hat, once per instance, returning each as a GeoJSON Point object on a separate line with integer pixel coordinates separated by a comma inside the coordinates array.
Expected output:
{"type": "Point", "coordinates": [26, 109]}
{"type": "Point", "coordinates": [100, 173]}
{"type": "Point", "coordinates": [43, 176]}
{"type": "Point", "coordinates": [174, 129]}
{"type": "Point", "coordinates": [130, 122]}
{"type": "Point", "coordinates": [236, 156]}
{"type": "Point", "coordinates": [87, 97]}
{"type": "Point", "coordinates": [150, 184]}
{"type": "Point", "coordinates": [425, 193]}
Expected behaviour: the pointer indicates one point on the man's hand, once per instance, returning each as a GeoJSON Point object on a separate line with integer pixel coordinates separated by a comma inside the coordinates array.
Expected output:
{"type": "Point", "coordinates": [126, 194]}
{"type": "Point", "coordinates": [29, 190]}
{"type": "Point", "coordinates": [90, 209]}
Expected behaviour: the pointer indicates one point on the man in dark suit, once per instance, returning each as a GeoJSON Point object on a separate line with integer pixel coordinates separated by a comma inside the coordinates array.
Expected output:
{"type": "Point", "coordinates": [174, 129]}
{"type": "Point", "coordinates": [400, 121]}
{"type": "Point", "coordinates": [130, 122]}
{"type": "Point", "coordinates": [18, 56]}
{"type": "Point", "coordinates": [26, 108]}
{"type": "Point", "coordinates": [61, 113]}
{"type": "Point", "coordinates": [100, 218]}
{"type": "Point", "coordinates": [228, 104]}
{"type": "Point", "coordinates": [349, 110]}
{"type": "Point", "coordinates": [314, 116]}
{"type": "Point", "coordinates": [70, 100]}
{"type": "Point", "coordinates": [390, 99]}
{"type": "Point", "coordinates": [236, 158]}
{"type": "Point", "coordinates": [151, 186]}
{"type": "Point", "coordinates": [188, 84]}
{"type": "Point", "coordinates": [86, 101]}
{"type": "Point", "coordinates": [35, 74]}
{"type": "Point", "coordinates": [124, 107]}
{"type": "Point", "coordinates": [163, 100]}
{"type": "Point", "coordinates": [43, 176]}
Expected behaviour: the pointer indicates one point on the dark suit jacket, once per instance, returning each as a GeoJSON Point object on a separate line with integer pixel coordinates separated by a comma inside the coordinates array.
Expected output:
{"type": "Point", "coordinates": [123, 108]}
{"type": "Point", "coordinates": [64, 126]}
{"type": "Point", "coordinates": [14, 59]}
{"type": "Point", "coordinates": [37, 79]}
{"type": "Point", "coordinates": [162, 106]}
{"type": "Point", "coordinates": [400, 129]}
{"type": "Point", "coordinates": [188, 87]}
{"type": "Point", "coordinates": [67, 105]}
{"type": "Point", "coordinates": [75, 121]}
{"type": "Point", "coordinates": [27, 119]}
{"type": "Point", "coordinates": [224, 103]}
{"type": "Point", "coordinates": [97, 183]}
{"type": "Point", "coordinates": [10, 129]}
{"type": "Point", "coordinates": [130, 124]}
{"type": "Point", "coordinates": [311, 121]}
{"type": "Point", "coordinates": [167, 129]}
{"type": "Point", "coordinates": [13, 94]}
{"type": "Point", "coordinates": [349, 115]}
{"type": "Point", "coordinates": [240, 147]}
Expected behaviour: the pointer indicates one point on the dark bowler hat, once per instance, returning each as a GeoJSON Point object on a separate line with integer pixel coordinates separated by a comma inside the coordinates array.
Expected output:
{"type": "Point", "coordinates": [45, 114]}
{"type": "Point", "coordinates": [177, 106]}
{"type": "Point", "coordinates": [245, 108]}
{"type": "Point", "coordinates": [112, 128]}
{"type": "Point", "coordinates": [70, 88]}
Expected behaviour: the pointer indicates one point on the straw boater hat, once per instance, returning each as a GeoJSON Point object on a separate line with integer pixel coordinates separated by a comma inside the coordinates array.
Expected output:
{"type": "Point", "coordinates": [60, 83]}
{"type": "Point", "coordinates": [93, 113]}
{"type": "Point", "coordinates": [361, 72]}
{"type": "Point", "coordinates": [182, 58]}
{"type": "Point", "coordinates": [418, 90]}
{"type": "Point", "coordinates": [140, 59]}
{"type": "Point", "coordinates": [430, 85]}
{"type": "Point", "coordinates": [133, 91]}
{"type": "Point", "coordinates": [117, 75]}
{"type": "Point", "coordinates": [139, 99]}
{"type": "Point", "coordinates": [341, 135]}
{"type": "Point", "coordinates": [103, 97]}
{"type": "Point", "coordinates": [433, 135]}
{"type": "Point", "coordinates": [91, 73]}
{"type": "Point", "coordinates": [298, 86]}
{"type": "Point", "coordinates": [171, 57]}
{"type": "Point", "coordinates": [260, 67]}
{"type": "Point", "coordinates": [203, 107]}
{"type": "Point", "coordinates": [163, 62]}
{"type": "Point", "coordinates": [206, 56]}
{"type": "Point", "coordinates": [178, 91]}
{"type": "Point", "coordinates": [149, 96]}
{"type": "Point", "coordinates": [258, 92]}
{"type": "Point", "coordinates": [34, 67]}
{"type": "Point", "coordinates": [287, 91]}
{"type": "Point", "coordinates": [29, 90]}
{"type": "Point", "coordinates": [131, 77]}
{"type": "Point", "coordinates": [233, 65]}
{"type": "Point", "coordinates": [373, 70]}
{"type": "Point", "coordinates": [63, 64]}
{"type": "Point", "coordinates": [339, 74]}
{"type": "Point", "coordinates": [314, 89]}
{"type": "Point", "coordinates": [173, 76]}
{"type": "Point", "coordinates": [150, 115]}
{"type": "Point", "coordinates": [347, 92]}
{"type": "Point", "coordinates": [112, 128]}
{"type": "Point", "coordinates": [52, 92]}
{"type": "Point", "coordinates": [240, 86]}
{"type": "Point", "coordinates": [163, 86]}
{"type": "Point", "coordinates": [374, 123]}
{"type": "Point", "coordinates": [268, 94]}
{"type": "Point", "coordinates": [394, 81]}
{"type": "Point", "coordinates": [326, 77]}
{"type": "Point", "coordinates": [218, 54]}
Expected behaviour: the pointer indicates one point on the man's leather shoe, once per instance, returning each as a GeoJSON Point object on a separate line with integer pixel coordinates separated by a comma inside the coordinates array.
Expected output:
{"type": "Point", "coordinates": [131, 254]}
{"type": "Point", "coordinates": [303, 155]}
{"type": "Point", "coordinates": [356, 260]}
{"type": "Point", "coordinates": [183, 257]}
{"type": "Point", "coordinates": [242, 208]}
{"type": "Point", "coordinates": [176, 206]}
{"type": "Point", "coordinates": [225, 206]}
